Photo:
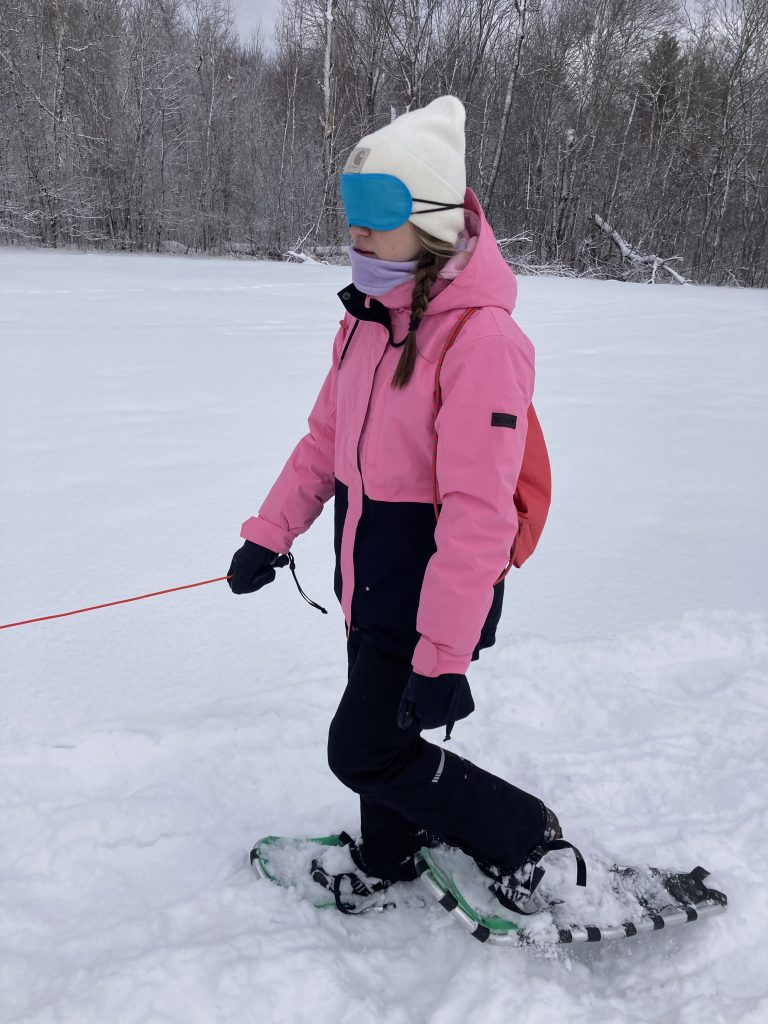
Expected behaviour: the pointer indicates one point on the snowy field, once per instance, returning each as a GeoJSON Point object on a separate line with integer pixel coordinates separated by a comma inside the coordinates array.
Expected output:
{"type": "Point", "coordinates": [147, 403]}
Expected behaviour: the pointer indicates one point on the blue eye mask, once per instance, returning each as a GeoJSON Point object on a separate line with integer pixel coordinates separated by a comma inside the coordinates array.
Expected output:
{"type": "Point", "coordinates": [382, 202]}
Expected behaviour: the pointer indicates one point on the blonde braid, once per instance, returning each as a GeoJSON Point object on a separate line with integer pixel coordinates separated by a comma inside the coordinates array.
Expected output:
{"type": "Point", "coordinates": [435, 253]}
{"type": "Point", "coordinates": [426, 274]}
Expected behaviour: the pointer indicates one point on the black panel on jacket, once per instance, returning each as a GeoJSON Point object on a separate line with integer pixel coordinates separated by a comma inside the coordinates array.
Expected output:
{"type": "Point", "coordinates": [393, 544]}
{"type": "Point", "coordinates": [339, 515]}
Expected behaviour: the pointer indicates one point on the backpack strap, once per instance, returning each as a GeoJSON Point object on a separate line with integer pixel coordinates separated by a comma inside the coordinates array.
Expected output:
{"type": "Point", "coordinates": [438, 401]}
{"type": "Point", "coordinates": [438, 398]}
{"type": "Point", "coordinates": [533, 492]}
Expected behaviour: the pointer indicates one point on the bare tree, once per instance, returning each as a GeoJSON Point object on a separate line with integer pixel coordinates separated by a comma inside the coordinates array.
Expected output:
{"type": "Point", "coordinates": [149, 123]}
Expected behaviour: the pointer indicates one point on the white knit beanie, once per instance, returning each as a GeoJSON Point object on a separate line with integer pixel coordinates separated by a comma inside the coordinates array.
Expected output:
{"type": "Point", "coordinates": [425, 150]}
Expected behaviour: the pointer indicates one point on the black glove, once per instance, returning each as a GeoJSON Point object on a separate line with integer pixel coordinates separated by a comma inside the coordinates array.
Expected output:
{"type": "Point", "coordinates": [252, 568]}
{"type": "Point", "coordinates": [433, 702]}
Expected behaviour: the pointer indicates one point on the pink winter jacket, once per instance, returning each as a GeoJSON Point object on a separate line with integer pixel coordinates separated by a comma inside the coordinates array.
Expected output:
{"type": "Point", "coordinates": [374, 444]}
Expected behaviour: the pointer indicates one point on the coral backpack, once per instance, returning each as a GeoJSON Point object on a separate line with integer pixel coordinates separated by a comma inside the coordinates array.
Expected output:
{"type": "Point", "coordinates": [534, 484]}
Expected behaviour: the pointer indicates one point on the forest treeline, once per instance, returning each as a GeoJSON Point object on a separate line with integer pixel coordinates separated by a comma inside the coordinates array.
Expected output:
{"type": "Point", "coordinates": [603, 136]}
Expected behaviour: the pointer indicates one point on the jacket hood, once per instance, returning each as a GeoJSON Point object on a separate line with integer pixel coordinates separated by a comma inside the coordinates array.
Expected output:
{"type": "Point", "coordinates": [486, 280]}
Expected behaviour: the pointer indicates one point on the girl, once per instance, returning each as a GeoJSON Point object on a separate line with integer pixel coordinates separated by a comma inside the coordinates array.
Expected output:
{"type": "Point", "coordinates": [420, 595]}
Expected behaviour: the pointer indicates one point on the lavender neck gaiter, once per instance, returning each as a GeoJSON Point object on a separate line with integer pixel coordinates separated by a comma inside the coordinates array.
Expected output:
{"type": "Point", "coordinates": [375, 277]}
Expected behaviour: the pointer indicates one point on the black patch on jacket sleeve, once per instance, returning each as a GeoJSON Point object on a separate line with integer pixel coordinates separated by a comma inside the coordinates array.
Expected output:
{"type": "Point", "coordinates": [503, 419]}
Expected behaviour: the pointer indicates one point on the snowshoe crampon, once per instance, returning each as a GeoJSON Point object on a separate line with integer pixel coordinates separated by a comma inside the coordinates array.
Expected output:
{"type": "Point", "coordinates": [619, 903]}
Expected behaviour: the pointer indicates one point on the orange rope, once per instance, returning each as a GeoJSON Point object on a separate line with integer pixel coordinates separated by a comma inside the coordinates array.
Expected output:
{"type": "Point", "coordinates": [110, 604]}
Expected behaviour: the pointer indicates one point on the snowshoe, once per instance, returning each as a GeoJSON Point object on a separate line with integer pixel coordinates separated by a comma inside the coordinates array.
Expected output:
{"type": "Point", "coordinates": [329, 863]}
{"type": "Point", "coordinates": [619, 902]}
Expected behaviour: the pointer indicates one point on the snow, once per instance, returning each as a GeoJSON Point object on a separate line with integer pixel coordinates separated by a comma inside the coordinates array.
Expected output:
{"type": "Point", "coordinates": [147, 403]}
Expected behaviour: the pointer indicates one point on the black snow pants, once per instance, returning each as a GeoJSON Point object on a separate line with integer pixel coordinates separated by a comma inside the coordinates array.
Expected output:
{"type": "Point", "coordinates": [411, 791]}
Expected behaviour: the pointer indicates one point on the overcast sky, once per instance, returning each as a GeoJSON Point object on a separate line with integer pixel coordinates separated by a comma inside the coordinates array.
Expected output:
{"type": "Point", "coordinates": [248, 13]}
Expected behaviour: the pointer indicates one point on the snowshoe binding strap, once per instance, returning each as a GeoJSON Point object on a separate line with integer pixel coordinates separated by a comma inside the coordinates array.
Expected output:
{"type": "Point", "coordinates": [516, 893]}
{"type": "Point", "coordinates": [563, 844]}
{"type": "Point", "coordinates": [358, 887]}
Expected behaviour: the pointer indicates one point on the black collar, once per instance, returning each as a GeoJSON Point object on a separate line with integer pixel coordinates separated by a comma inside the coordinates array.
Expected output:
{"type": "Point", "coordinates": [353, 301]}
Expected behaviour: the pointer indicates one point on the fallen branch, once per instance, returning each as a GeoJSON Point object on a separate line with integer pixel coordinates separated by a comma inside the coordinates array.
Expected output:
{"type": "Point", "coordinates": [528, 262]}
{"type": "Point", "coordinates": [302, 257]}
{"type": "Point", "coordinates": [637, 258]}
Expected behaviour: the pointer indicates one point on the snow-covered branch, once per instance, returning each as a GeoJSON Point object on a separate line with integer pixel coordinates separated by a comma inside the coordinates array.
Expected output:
{"type": "Point", "coordinates": [637, 258]}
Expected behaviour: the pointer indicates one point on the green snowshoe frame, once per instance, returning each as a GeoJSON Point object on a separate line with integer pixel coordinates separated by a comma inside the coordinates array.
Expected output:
{"type": "Point", "coordinates": [450, 897]}
{"type": "Point", "coordinates": [260, 862]}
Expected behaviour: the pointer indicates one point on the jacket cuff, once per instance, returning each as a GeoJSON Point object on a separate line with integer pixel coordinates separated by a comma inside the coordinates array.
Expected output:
{"type": "Point", "coordinates": [431, 660]}
{"type": "Point", "coordinates": [259, 531]}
